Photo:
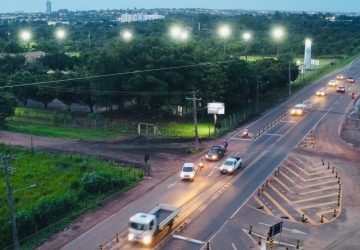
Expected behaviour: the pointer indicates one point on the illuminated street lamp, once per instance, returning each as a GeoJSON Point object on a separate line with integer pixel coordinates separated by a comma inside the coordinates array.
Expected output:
{"type": "Point", "coordinates": [127, 35]}
{"type": "Point", "coordinates": [224, 32]}
{"type": "Point", "coordinates": [278, 34]}
{"type": "Point", "coordinates": [179, 33]}
{"type": "Point", "coordinates": [184, 35]}
{"type": "Point", "coordinates": [60, 34]}
{"type": "Point", "coordinates": [175, 31]}
{"type": "Point", "coordinates": [25, 35]}
{"type": "Point", "coordinates": [246, 36]}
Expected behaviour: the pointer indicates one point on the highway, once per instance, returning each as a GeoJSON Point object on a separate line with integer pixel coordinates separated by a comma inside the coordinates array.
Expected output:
{"type": "Point", "coordinates": [213, 199]}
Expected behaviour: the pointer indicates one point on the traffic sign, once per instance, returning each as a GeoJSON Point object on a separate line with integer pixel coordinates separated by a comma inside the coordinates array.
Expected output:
{"type": "Point", "coordinates": [275, 229]}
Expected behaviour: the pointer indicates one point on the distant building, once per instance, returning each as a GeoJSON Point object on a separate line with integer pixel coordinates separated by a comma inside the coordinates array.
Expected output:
{"type": "Point", "coordinates": [48, 7]}
{"type": "Point", "coordinates": [139, 17]}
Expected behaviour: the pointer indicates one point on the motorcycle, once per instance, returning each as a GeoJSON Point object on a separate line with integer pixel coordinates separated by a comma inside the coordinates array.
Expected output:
{"type": "Point", "coordinates": [201, 164]}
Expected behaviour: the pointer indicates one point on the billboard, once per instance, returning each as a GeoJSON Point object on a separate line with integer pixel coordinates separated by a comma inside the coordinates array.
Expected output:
{"type": "Point", "coordinates": [216, 108]}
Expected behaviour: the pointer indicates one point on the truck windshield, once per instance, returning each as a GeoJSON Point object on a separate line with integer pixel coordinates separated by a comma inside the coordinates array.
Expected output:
{"type": "Point", "coordinates": [188, 169]}
{"type": "Point", "coordinates": [137, 226]}
{"type": "Point", "coordinates": [228, 163]}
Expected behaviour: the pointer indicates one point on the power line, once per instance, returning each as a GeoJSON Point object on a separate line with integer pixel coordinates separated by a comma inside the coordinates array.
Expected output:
{"type": "Point", "coordinates": [118, 74]}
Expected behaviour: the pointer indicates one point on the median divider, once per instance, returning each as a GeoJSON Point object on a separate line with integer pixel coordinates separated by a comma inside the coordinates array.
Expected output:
{"type": "Point", "coordinates": [268, 126]}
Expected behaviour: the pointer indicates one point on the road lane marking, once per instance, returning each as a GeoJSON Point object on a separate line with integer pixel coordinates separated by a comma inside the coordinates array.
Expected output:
{"type": "Point", "coordinates": [318, 205]}
{"type": "Point", "coordinates": [294, 231]}
{"type": "Point", "coordinates": [272, 134]}
{"type": "Point", "coordinates": [316, 198]}
{"type": "Point", "coordinates": [241, 139]}
{"type": "Point", "coordinates": [288, 121]}
{"type": "Point", "coordinates": [233, 245]}
{"type": "Point", "coordinates": [171, 185]}
{"type": "Point", "coordinates": [285, 213]}
{"type": "Point", "coordinates": [263, 205]}
{"type": "Point", "coordinates": [188, 239]}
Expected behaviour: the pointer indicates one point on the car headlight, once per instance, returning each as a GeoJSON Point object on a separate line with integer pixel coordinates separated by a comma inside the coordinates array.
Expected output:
{"type": "Point", "coordinates": [182, 175]}
{"type": "Point", "coordinates": [147, 240]}
{"type": "Point", "coordinates": [131, 236]}
{"type": "Point", "coordinates": [207, 156]}
{"type": "Point", "coordinates": [214, 157]}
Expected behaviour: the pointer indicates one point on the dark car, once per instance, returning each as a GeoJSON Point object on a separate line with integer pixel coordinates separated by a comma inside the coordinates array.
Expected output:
{"type": "Point", "coordinates": [340, 89]}
{"type": "Point", "coordinates": [350, 80]}
{"type": "Point", "coordinates": [215, 153]}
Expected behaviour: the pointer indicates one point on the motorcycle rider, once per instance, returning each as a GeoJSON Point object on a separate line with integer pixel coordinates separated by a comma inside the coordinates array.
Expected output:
{"type": "Point", "coordinates": [201, 163]}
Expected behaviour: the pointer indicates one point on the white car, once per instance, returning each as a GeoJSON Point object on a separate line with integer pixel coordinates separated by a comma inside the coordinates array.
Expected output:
{"type": "Point", "coordinates": [188, 171]}
{"type": "Point", "coordinates": [321, 92]}
{"type": "Point", "coordinates": [298, 109]}
{"type": "Point", "coordinates": [230, 165]}
{"type": "Point", "coordinates": [332, 83]}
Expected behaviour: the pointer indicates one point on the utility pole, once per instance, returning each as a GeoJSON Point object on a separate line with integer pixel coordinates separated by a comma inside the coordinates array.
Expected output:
{"type": "Point", "coordinates": [195, 99]}
{"type": "Point", "coordinates": [4, 161]}
{"type": "Point", "coordinates": [289, 77]}
{"type": "Point", "coordinates": [257, 93]}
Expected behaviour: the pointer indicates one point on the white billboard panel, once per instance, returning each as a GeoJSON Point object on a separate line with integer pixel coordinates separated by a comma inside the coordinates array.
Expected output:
{"type": "Point", "coordinates": [217, 108]}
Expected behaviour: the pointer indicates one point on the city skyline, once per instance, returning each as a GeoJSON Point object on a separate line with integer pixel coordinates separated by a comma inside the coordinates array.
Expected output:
{"type": "Point", "coordinates": [282, 5]}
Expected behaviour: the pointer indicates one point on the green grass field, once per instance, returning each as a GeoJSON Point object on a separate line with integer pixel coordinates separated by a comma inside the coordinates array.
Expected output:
{"type": "Point", "coordinates": [56, 176]}
{"type": "Point", "coordinates": [41, 122]}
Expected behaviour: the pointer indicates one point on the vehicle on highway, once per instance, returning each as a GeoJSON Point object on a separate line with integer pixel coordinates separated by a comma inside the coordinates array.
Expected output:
{"type": "Point", "coordinates": [340, 89]}
{"type": "Point", "coordinates": [350, 80]}
{"type": "Point", "coordinates": [340, 77]}
{"type": "Point", "coordinates": [298, 109]}
{"type": "Point", "coordinates": [245, 133]}
{"type": "Point", "coordinates": [332, 83]}
{"type": "Point", "coordinates": [215, 153]}
{"type": "Point", "coordinates": [143, 227]}
{"type": "Point", "coordinates": [321, 92]}
{"type": "Point", "coordinates": [188, 171]}
{"type": "Point", "coordinates": [230, 165]}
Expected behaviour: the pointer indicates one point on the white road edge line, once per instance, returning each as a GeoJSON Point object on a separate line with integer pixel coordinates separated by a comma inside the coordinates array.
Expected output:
{"type": "Point", "coordinates": [188, 239]}
{"type": "Point", "coordinates": [233, 245]}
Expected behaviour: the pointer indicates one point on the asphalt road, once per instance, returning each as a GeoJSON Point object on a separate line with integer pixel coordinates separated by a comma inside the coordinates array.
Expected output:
{"type": "Point", "coordinates": [214, 199]}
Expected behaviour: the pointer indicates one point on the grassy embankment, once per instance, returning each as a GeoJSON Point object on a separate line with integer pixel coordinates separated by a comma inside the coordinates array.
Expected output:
{"type": "Point", "coordinates": [51, 190]}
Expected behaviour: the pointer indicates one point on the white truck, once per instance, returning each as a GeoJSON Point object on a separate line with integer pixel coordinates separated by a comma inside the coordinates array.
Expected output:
{"type": "Point", "coordinates": [143, 227]}
{"type": "Point", "coordinates": [230, 165]}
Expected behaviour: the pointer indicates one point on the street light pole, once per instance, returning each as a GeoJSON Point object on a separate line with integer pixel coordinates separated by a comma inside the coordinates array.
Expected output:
{"type": "Point", "coordinates": [195, 99]}
{"type": "Point", "coordinates": [289, 77]}
{"type": "Point", "coordinates": [5, 166]}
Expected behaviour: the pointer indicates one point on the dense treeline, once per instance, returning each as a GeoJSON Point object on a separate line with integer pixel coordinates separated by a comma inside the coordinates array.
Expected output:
{"type": "Point", "coordinates": [223, 78]}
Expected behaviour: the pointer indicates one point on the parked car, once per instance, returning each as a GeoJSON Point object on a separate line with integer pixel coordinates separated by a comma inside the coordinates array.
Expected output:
{"type": "Point", "coordinates": [230, 165]}
{"type": "Point", "coordinates": [215, 153]}
{"type": "Point", "coordinates": [188, 171]}
{"type": "Point", "coordinates": [350, 80]}
{"type": "Point", "coordinates": [340, 89]}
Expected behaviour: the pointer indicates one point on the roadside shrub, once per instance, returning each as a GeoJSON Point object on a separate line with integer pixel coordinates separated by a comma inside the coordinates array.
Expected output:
{"type": "Point", "coordinates": [102, 182]}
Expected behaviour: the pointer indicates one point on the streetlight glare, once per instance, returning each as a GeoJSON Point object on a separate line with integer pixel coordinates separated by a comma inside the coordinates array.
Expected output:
{"type": "Point", "coordinates": [25, 35]}
{"type": "Point", "coordinates": [247, 36]}
{"type": "Point", "coordinates": [184, 35]}
{"type": "Point", "coordinates": [60, 34]}
{"type": "Point", "coordinates": [308, 42]}
{"type": "Point", "coordinates": [127, 35]}
{"type": "Point", "coordinates": [278, 33]}
{"type": "Point", "coordinates": [224, 31]}
{"type": "Point", "coordinates": [175, 31]}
